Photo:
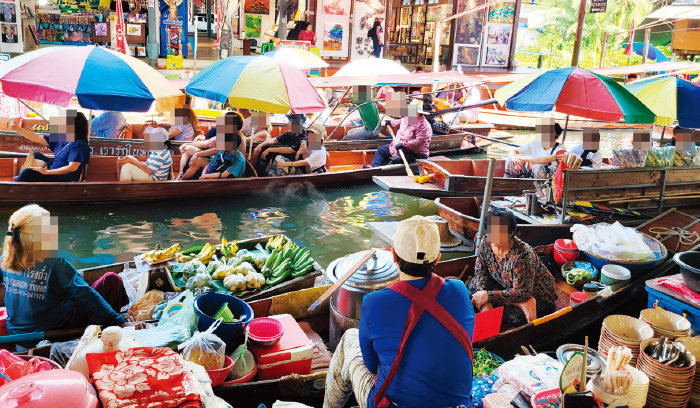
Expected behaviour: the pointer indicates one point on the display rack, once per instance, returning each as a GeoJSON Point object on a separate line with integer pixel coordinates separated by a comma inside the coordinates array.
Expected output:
{"type": "Point", "coordinates": [412, 32]}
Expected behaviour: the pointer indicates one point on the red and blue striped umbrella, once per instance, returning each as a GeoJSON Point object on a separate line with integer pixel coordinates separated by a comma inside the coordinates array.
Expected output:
{"type": "Point", "coordinates": [99, 78]}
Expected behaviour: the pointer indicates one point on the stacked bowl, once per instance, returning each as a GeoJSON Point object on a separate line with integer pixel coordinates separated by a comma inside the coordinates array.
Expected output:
{"type": "Point", "coordinates": [665, 323]}
{"type": "Point", "coordinates": [638, 390]}
{"type": "Point", "coordinates": [692, 344]}
{"type": "Point", "coordinates": [669, 387]}
{"type": "Point", "coordinates": [621, 330]}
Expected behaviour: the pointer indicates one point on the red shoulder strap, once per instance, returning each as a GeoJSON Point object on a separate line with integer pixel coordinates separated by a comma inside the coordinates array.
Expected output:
{"type": "Point", "coordinates": [420, 301]}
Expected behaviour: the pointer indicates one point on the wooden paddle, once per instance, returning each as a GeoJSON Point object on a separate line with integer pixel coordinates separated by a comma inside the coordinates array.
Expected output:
{"type": "Point", "coordinates": [405, 162]}
{"type": "Point", "coordinates": [341, 281]}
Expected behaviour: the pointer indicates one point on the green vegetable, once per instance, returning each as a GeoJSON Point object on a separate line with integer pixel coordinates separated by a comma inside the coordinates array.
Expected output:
{"type": "Point", "coordinates": [484, 362]}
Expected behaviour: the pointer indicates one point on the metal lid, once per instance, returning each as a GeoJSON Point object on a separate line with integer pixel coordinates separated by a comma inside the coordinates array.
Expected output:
{"type": "Point", "coordinates": [378, 272]}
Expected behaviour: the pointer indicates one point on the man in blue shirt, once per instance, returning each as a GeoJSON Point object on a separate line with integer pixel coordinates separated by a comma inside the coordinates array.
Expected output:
{"type": "Point", "coordinates": [421, 359]}
{"type": "Point", "coordinates": [110, 124]}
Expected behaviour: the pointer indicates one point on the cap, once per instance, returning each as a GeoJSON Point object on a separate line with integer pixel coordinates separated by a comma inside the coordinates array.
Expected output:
{"type": "Point", "coordinates": [417, 240]}
{"type": "Point", "coordinates": [318, 129]}
{"type": "Point", "coordinates": [158, 134]}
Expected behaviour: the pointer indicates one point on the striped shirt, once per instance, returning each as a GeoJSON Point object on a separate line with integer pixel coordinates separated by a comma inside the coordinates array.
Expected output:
{"type": "Point", "coordinates": [159, 164]}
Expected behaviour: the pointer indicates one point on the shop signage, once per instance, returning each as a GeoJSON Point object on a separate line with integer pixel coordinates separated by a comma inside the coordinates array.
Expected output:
{"type": "Point", "coordinates": [304, 45]}
{"type": "Point", "coordinates": [599, 6]}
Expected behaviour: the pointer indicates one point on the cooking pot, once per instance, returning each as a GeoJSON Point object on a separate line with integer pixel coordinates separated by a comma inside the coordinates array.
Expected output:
{"type": "Point", "coordinates": [377, 273]}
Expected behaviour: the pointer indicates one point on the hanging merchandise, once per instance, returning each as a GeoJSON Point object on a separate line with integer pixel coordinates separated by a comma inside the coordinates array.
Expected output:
{"type": "Point", "coordinates": [121, 35]}
{"type": "Point", "coordinates": [219, 18]}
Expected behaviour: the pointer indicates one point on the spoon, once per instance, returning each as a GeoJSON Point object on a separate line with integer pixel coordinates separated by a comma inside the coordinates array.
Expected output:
{"type": "Point", "coordinates": [653, 348]}
{"type": "Point", "coordinates": [673, 355]}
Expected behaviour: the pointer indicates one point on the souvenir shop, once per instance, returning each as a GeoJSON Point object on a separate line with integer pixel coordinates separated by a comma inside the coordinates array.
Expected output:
{"type": "Point", "coordinates": [482, 40]}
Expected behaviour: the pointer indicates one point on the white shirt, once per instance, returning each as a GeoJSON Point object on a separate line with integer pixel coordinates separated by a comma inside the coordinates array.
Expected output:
{"type": "Point", "coordinates": [535, 149]}
{"type": "Point", "coordinates": [316, 158]}
{"type": "Point", "coordinates": [595, 158]}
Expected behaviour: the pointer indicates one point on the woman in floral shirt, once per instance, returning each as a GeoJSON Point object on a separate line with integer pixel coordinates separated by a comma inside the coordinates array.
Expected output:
{"type": "Point", "coordinates": [508, 273]}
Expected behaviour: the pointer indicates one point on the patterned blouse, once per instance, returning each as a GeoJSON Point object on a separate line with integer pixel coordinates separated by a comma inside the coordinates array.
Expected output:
{"type": "Point", "coordinates": [519, 275]}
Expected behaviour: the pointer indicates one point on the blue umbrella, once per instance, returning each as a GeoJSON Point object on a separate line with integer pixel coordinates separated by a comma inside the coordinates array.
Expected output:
{"type": "Point", "coordinates": [653, 52]}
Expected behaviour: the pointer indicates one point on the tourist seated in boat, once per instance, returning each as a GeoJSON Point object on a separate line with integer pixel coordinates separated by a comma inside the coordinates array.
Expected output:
{"type": "Point", "coordinates": [368, 125]}
{"type": "Point", "coordinates": [109, 124]}
{"type": "Point", "coordinates": [189, 150]}
{"type": "Point", "coordinates": [413, 138]}
{"type": "Point", "coordinates": [223, 158]}
{"type": "Point", "coordinates": [311, 157]}
{"type": "Point", "coordinates": [508, 273]}
{"type": "Point", "coordinates": [261, 131]}
{"type": "Point", "coordinates": [536, 159]}
{"type": "Point", "coordinates": [43, 291]}
{"type": "Point", "coordinates": [184, 123]}
{"type": "Point", "coordinates": [159, 163]}
{"type": "Point", "coordinates": [589, 150]}
{"type": "Point", "coordinates": [68, 140]}
{"type": "Point", "coordinates": [434, 366]}
{"type": "Point", "coordinates": [285, 145]}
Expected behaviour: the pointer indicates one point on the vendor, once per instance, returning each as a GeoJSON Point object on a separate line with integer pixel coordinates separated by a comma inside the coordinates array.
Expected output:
{"type": "Point", "coordinates": [44, 292]}
{"type": "Point", "coordinates": [68, 141]}
{"type": "Point", "coordinates": [508, 273]}
{"type": "Point", "coordinates": [413, 138]}
{"type": "Point", "coordinates": [589, 151]}
{"type": "Point", "coordinates": [421, 360]}
{"type": "Point", "coordinates": [537, 158]}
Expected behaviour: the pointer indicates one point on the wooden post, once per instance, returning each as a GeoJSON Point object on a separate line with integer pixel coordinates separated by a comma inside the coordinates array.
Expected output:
{"type": "Point", "coordinates": [603, 50]}
{"type": "Point", "coordinates": [579, 33]}
{"type": "Point", "coordinates": [662, 189]}
{"type": "Point", "coordinates": [485, 204]}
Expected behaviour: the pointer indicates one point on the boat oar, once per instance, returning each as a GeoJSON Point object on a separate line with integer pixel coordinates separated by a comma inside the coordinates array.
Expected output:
{"type": "Point", "coordinates": [405, 162]}
{"type": "Point", "coordinates": [489, 139]}
{"type": "Point", "coordinates": [341, 281]}
{"type": "Point", "coordinates": [53, 334]}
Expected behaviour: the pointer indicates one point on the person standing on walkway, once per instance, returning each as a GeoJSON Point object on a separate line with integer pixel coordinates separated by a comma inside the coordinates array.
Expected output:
{"type": "Point", "coordinates": [413, 348]}
{"type": "Point", "coordinates": [376, 33]}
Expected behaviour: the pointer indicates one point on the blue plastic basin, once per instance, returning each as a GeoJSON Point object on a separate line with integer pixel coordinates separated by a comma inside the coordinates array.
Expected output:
{"type": "Point", "coordinates": [207, 304]}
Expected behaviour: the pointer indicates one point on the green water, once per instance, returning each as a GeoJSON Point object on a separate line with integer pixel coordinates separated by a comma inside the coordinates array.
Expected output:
{"type": "Point", "coordinates": [331, 223]}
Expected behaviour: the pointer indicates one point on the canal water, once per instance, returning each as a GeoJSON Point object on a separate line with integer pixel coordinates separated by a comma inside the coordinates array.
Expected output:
{"type": "Point", "coordinates": [331, 223]}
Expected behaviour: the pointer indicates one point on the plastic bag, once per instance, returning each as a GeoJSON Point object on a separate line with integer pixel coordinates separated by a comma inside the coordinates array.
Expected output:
{"type": "Point", "coordinates": [205, 348]}
{"type": "Point", "coordinates": [180, 311]}
{"type": "Point", "coordinates": [243, 360]}
{"type": "Point", "coordinates": [167, 335]}
{"type": "Point", "coordinates": [614, 242]}
{"type": "Point", "coordinates": [144, 307]}
{"type": "Point", "coordinates": [659, 157]}
{"type": "Point", "coordinates": [682, 158]}
{"type": "Point", "coordinates": [696, 160]}
{"type": "Point", "coordinates": [199, 283]}
{"type": "Point", "coordinates": [627, 158]}
{"type": "Point", "coordinates": [130, 278]}
{"type": "Point", "coordinates": [13, 367]}
{"type": "Point", "coordinates": [531, 374]}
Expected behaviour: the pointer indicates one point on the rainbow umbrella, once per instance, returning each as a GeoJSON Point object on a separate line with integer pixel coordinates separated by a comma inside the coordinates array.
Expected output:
{"type": "Point", "coordinates": [99, 78]}
{"type": "Point", "coordinates": [574, 91]}
{"type": "Point", "coordinates": [670, 98]}
{"type": "Point", "coordinates": [297, 57]}
{"type": "Point", "coordinates": [259, 83]}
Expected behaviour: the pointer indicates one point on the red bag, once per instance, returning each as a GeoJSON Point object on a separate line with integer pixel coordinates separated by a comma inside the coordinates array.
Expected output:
{"type": "Point", "coordinates": [14, 367]}
{"type": "Point", "coordinates": [141, 377]}
{"type": "Point", "coordinates": [559, 181]}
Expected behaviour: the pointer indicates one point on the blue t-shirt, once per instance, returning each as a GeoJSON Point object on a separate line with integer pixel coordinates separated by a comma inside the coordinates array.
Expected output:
{"type": "Point", "coordinates": [435, 370]}
{"type": "Point", "coordinates": [65, 153]}
{"type": "Point", "coordinates": [41, 298]}
{"type": "Point", "coordinates": [109, 124]}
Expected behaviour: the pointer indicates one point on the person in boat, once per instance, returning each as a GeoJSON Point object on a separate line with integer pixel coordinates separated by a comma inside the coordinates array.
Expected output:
{"type": "Point", "coordinates": [261, 131]}
{"type": "Point", "coordinates": [286, 145]}
{"type": "Point", "coordinates": [413, 138]}
{"type": "Point", "coordinates": [589, 150]}
{"type": "Point", "coordinates": [159, 163]}
{"type": "Point", "coordinates": [508, 273]}
{"type": "Point", "coordinates": [43, 291]}
{"type": "Point", "coordinates": [68, 140]}
{"type": "Point", "coordinates": [368, 125]}
{"type": "Point", "coordinates": [109, 124]}
{"type": "Point", "coordinates": [413, 361]}
{"type": "Point", "coordinates": [221, 157]}
{"type": "Point", "coordinates": [185, 125]}
{"type": "Point", "coordinates": [311, 157]}
{"type": "Point", "coordinates": [537, 158]}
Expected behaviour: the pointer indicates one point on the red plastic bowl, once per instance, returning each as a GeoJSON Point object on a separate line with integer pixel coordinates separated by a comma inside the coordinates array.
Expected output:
{"type": "Point", "coordinates": [265, 331]}
{"type": "Point", "coordinates": [219, 376]}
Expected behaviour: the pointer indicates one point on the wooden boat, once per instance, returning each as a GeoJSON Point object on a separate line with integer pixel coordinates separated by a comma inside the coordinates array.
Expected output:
{"type": "Point", "coordinates": [456, 178]}
{"type": "Point", "coordinates": [101, 182]}
{"type": "Point", "coordinates": [132, 141]}
{"type": "Point", "coordinates": [567, 324]}
{"type": "Point", "coordinates": [463, 213]}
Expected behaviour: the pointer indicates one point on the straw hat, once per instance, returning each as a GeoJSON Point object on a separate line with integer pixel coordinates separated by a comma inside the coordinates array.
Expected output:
{"type": "Point", "coordinates": [447, 238]}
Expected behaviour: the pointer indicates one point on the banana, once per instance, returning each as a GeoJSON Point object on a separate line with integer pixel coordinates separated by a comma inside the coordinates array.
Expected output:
{"type": "Point", "coordinates": [159, 254]}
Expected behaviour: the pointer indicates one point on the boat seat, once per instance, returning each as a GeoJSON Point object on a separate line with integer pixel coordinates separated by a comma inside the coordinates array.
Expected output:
{"type": "Point", "coordinates": [101, 168]}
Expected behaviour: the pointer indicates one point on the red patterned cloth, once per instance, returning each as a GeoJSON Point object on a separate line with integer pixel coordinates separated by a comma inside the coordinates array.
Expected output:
{"type": "Point", "coordinates": [143, 377]}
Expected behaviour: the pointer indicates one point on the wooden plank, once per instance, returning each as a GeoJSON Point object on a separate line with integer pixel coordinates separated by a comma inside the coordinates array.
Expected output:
{"type": "Point", "coordinates": [583, 179]}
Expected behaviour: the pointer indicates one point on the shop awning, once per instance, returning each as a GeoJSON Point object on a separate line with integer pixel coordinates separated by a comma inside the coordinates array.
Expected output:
{"type": "Point", "coordinates": [426, 78]}
{"type": "Point", "coordinates": [681, 9]}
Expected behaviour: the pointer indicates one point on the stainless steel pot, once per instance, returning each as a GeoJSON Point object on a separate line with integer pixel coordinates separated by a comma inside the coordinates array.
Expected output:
{"type": "Point", "coordinates": [378, 273]}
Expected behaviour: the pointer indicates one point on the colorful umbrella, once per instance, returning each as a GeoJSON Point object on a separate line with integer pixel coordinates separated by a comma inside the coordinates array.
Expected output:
{"type": "Point", "coordinates": [258, 83]}
{"type": "Point", "coordinates": [574, 91]}
{"type": "Point", "coordinates": [653, 52]}
{"type": "Point", "coordinates": [297, 57]}
{"type": "Point", "coordinates": [98, 77]}
{"type": "Point", "coordinates": [371, 67]}
{"type": "Point", "coordinates": [670, 98]}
